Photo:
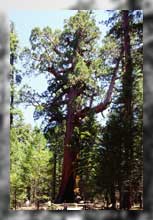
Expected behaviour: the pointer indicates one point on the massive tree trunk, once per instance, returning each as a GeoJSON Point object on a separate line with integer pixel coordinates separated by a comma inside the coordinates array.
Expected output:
{"type": "Point", "coordinates": [66, 192]}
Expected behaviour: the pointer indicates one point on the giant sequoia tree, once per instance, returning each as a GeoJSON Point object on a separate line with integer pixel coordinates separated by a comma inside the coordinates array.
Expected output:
{"type": "Point", "coordinates": [81, 76]}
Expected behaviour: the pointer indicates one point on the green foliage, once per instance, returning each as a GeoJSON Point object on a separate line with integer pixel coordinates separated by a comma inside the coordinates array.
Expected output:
{"type": "Point", "coordinates": [120, 162]}
{"type": "Point", "coordinates": [73, 58]}
{"type": "Point", "coordinates": [30, 166]}
{"type": "Point", "coordinates": [15, 74]}
{"type": "Point", "coordinates": [40, 175]}
{"type": "Point", "coordinates": [14, 42]}
{"type": "Point", "coordinates": [55, 136]}
{"type": "Point", "coordinates": [86, 139]}
{"type": "Point", "coordinates": [108, 156]}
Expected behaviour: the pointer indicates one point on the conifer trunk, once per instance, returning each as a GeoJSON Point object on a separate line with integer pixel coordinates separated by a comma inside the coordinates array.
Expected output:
{"type": "Point", "coordinates": [66, 193]}
{"type": "Point", "coordinates": [113, 199]}
{"type": "Point", "coordinates": [127, 99]}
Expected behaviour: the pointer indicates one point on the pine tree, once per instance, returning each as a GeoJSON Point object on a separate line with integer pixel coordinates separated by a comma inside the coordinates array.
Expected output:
{"type": "Point", "coordinates": [30, 167]}
{"type": "Point", "coordinates": [122, 139]}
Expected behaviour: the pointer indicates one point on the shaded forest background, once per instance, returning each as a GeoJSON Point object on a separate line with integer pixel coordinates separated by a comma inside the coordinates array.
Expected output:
{"type": "Point", "coordinates": [108, 158]}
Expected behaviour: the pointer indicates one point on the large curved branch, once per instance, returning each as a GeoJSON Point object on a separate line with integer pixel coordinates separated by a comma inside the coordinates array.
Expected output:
{"type": "Point", "coordinates": [56, 73]}
{"type": "Point", "coordinates": [103, 105]}
{"type": "Point", "coordinates": [53, 71]}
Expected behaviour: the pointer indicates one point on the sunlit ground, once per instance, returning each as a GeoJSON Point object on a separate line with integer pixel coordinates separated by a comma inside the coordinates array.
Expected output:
{"type": "Point", "coordinates": [75, 206]}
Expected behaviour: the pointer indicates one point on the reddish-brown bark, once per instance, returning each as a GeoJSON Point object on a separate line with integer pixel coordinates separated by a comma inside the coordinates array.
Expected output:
{"type": "Point", "coordinates": [68, 179]}
{"type": "Point", "coordinates": [66, 192]}
{"type": "Point", "coordinates": [127, 78]}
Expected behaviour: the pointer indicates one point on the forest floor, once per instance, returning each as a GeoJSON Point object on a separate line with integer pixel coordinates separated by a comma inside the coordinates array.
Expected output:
{"type": "Point", "coordinates": [74, 206]}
